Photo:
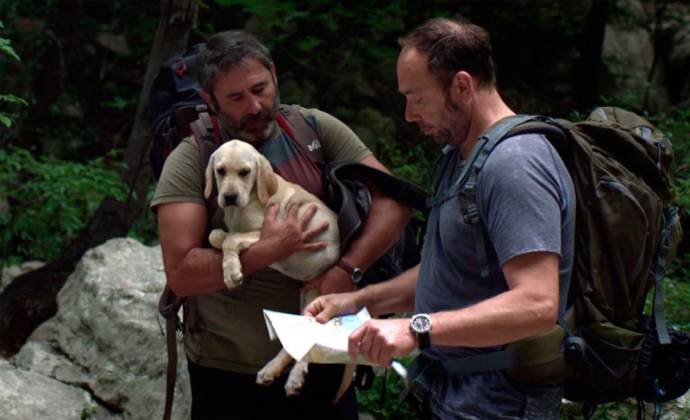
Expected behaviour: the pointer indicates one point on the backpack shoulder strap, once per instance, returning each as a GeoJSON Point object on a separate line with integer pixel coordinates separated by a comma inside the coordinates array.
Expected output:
{"type": "Point", "coordinates": [168, 306]}
{"type": "Point", "coordinates": [207, 139]}
{"type": "Point", "coordinates": [291, 120]}
{"type": "Point", "coordinates": [486, 142]}
{"type": "Point", "coordinates": [207, 136]}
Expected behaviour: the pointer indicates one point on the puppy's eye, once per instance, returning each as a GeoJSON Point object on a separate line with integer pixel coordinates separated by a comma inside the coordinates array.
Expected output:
{"type": "Point", "coordinates": [220, 171]}
{"type": "Point", "coordinates": [243, 172]}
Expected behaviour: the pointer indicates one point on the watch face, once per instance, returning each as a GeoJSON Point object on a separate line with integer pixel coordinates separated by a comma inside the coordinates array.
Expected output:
{"type": "Point", "coordinates": [356, 275]}
{"type": "Point", "coordinates": [421, 323]}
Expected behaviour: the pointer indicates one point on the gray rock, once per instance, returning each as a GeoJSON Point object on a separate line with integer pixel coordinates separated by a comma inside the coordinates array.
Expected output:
{"type": "Point", "coordinates": [28, 395]}
{"type": "Point", "coordinates": [628, 57]}
{"type": "Point", "coordinates": [106, 337]}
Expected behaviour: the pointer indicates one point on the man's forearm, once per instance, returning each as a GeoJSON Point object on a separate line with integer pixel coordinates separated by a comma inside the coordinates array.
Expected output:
{"type": "Point", "coordinates": [502, 319]}
{"type": "Point", "coordinates": [200, 271]}
{"type": "Point", "coordinates": [396, 295]}
{"type": "Point", "coordinates": [259, 256]}
{"type": "Point", "coordinates": [529, 307]}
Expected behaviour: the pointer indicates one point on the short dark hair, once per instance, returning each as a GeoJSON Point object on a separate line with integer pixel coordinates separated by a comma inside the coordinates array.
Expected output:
{"type": "Point", "coordinates": [453, 46]}
{"type": "Point", "coordinates": [225, 50]}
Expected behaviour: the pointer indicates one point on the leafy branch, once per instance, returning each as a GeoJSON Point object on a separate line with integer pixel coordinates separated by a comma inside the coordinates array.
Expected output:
{"type": "Point", "coordinates": [6, 118]}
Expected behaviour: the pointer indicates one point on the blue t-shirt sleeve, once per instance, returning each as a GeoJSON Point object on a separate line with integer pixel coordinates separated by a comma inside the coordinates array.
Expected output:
{"type": "Point", "coordinates": [519, 195]}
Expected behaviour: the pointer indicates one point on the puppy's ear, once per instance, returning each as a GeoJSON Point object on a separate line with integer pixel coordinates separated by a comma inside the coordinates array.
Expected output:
{"type": "Point", "coordinates": [266, 181]}
{"type": "Point", "coordinates": [208, 188]}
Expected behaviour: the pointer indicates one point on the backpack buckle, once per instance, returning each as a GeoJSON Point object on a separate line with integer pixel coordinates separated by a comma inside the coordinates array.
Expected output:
{"type": "Point", "coordinates": [180, 67]}
{"type": "Point", "coordinates": [471, 217]}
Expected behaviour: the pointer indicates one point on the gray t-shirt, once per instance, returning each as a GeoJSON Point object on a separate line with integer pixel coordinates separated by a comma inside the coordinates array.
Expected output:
{"type": "Point", "coordinates": [527, 203]}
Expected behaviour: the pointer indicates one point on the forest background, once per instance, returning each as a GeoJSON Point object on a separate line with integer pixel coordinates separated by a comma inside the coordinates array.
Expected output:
{"type": "Point", "coordinates": [74, 76]}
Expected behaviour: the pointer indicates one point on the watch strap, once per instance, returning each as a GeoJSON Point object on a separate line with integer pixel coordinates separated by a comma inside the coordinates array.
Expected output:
{"type": "Point", "coordinates": [355, 273]}
{"type": "Point", "coordinates": [423, 340]}
{"type": "Point", "coordinates": [349, 268]}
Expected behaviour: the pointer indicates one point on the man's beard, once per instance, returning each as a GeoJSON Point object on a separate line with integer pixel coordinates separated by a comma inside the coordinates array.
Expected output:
{"type": "Point", "coordinates": [239, 129]}
{"type": "Point", "coordinates": [456, 127]}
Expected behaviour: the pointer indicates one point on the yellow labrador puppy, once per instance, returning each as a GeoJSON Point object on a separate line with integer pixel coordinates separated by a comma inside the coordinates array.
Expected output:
{"type": "Point", "coordinates": [247, 185]}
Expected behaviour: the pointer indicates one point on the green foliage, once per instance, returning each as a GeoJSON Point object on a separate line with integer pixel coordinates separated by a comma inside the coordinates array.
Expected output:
{"type": "Point", "coordinates": [87, 412]}
{"type": "Point", "coordinates": [7, 118]}
{"type": "Point", "coordinates": [677, 128]}
{"type": "Point", "coordinates": [6, 46]}
{"type": "Point", "coordinates": [145, 227]}
{"type": "Point", "coordinates": [48, 201]}
{"type": "Point", "coordinates": [382, 399]}
{"type": "Point", "coordinates": [677, 288]}
{"type": "Point", "coordinates": [118, 102]}
{"type": "Point", "coordinates": [676, 297]}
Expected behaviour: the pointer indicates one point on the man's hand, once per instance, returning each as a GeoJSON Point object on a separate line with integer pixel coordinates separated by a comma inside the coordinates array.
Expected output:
{"type": "Point", "coordinates": [333, 280]}
{"type": "Point", "coordinates": [380, 340]}
{"type": "Point", "coordinates": [291, 235]}
{"type": "Point", "coordinates": [325, 307]}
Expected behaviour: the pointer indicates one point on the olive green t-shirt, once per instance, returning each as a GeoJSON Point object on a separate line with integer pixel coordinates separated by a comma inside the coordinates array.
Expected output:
{"type": "Point", "coordinates": [226, 329]}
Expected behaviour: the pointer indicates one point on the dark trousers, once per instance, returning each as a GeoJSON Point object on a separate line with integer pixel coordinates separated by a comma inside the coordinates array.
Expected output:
{"type": "Point", "coordinates": [219, 394]}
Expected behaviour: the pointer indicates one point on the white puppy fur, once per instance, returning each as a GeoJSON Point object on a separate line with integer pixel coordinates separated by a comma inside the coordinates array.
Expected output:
{"type": "Point", "coordinates": [247, 185]}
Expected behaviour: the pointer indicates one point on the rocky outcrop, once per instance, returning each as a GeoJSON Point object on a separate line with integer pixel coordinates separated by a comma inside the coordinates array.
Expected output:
{"type": "Point", "coordinates": [646, 58]}
{"type": "Point", "coordinates": [103, 354]}
{"type": "Point", "coordinates": [28, 395]}
{"type": "Point", "coordinates": [629, 57]}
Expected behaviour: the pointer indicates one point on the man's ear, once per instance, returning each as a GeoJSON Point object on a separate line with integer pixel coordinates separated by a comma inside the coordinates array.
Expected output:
{"type": "Point", "coordinates": [463, 87]}
{"type": "Point", "coordinates": [273, 73]}
{"type": "Point", "coordinates": [208, 99]}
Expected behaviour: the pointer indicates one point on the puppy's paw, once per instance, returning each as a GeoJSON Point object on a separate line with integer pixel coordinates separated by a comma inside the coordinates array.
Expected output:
{"type": "Point", "coordinates": [268, 374]}
{"type": "Point", "coordinates": [295, 380]}
{"type": "Point", "coordinates": [216, 238]}
{"type": "Point", "coordinates": [232, 271]}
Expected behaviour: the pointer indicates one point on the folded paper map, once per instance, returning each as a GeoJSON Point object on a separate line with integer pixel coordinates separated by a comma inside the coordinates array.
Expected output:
{"type": "Point", "coordinates": [305, 338]}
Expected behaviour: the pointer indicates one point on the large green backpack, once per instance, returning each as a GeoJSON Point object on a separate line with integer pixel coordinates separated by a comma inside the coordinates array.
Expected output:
{"type": "Point", "coordinates": [605, 348]}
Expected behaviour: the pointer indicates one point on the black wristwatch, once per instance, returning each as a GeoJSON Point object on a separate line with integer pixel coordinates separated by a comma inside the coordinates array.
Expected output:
{"type": "Point", "coordinates": [356, 273]}
{"type": "Point", "coordinates": [420, 325]}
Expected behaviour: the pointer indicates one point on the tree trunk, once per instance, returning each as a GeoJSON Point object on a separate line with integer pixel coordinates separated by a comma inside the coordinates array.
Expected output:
{"type": "Point", "coordinates": [31, 298]}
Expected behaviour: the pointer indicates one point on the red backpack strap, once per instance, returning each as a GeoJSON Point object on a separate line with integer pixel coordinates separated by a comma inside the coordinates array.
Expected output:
{"type": "Point", "coordinates": [296, 127]}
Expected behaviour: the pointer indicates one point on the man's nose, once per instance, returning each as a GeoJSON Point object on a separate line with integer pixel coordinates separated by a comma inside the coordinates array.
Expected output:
{"type": "Point", "coordinates": [254, 105]}
{"type": "Point", "coordinates": [410, 114]}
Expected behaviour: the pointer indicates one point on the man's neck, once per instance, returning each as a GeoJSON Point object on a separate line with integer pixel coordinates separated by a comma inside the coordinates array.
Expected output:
{"type": "Point", "coordinates": [489, 108]}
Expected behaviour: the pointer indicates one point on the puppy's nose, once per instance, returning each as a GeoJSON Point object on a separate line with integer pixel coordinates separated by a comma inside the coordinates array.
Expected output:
{"type": "Point", "coordinates": [230, 199]}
